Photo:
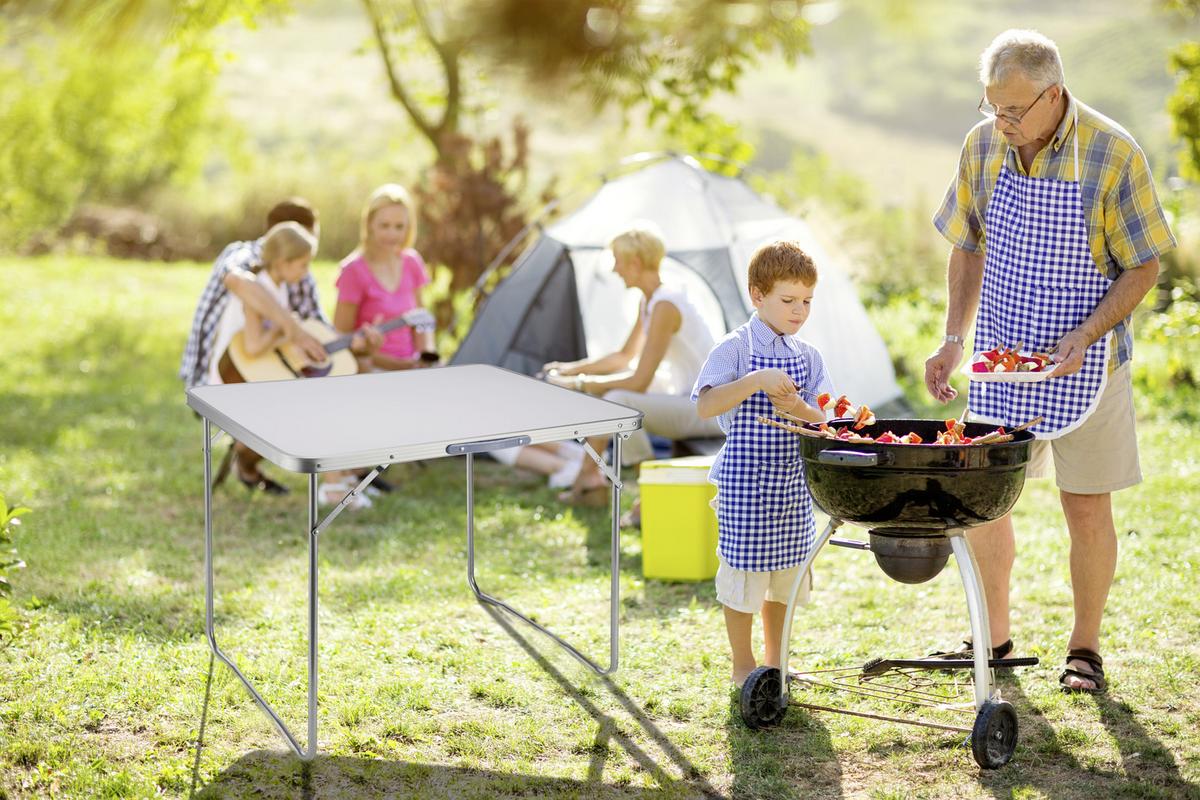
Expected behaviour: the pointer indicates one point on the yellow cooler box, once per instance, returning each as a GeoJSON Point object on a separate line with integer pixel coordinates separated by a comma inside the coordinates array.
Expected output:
{"type": "Point", "coordinates": [679, 527]}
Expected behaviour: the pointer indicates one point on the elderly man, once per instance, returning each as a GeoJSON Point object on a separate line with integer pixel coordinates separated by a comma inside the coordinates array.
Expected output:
{"type": "Point", "coordinates": [1057, 233]}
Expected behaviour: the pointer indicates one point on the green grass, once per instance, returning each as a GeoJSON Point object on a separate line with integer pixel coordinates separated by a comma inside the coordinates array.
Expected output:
{"type": "Point", "coordinates": [109, 688]}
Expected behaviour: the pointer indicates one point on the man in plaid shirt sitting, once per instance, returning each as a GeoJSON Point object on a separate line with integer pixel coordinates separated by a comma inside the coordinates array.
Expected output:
{"type": "Point", "coordinates": [234, 272]}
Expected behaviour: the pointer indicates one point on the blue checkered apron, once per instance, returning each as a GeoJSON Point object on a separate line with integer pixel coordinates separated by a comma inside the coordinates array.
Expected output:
{"type": "Point", "coordinates": [1039, 283]}
{"type": "Point", "coordinates": [764, 511]}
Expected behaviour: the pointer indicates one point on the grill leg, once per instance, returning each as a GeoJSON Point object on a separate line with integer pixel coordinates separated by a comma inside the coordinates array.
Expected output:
{"type": "Point", "coordinates": [981, 632]}
{"type": "Point", "coordinates": [822, 538]}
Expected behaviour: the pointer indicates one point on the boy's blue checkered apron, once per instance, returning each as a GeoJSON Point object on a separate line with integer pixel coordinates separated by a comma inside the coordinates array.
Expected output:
{"type": "Point", "coordinates": [1039, 283]}
{"type": "Point", "coordinates": [764, 511]}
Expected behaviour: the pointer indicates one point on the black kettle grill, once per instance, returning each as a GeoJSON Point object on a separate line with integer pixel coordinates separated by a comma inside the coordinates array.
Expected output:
{"type": "Point", "coordinates": [916, 501]}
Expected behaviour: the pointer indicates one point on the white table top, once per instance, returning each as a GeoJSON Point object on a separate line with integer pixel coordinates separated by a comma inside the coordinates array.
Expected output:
{"type": "Point", "coordinates": [323, 424]}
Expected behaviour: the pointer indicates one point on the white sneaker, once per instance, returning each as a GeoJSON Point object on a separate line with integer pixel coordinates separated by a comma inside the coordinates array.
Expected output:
{"type": "Point", "coordinates": [330, 493]}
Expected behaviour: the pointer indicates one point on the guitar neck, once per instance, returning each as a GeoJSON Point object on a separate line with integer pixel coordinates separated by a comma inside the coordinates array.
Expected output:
{"type": "Point", "coordinates": [342, 342]}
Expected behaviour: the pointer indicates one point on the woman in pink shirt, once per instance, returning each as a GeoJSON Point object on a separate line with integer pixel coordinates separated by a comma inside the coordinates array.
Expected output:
{"type": "Point", "coordinates": [380, 280]}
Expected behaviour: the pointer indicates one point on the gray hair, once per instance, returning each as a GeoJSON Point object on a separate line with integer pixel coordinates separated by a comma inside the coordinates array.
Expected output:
{"type": "Point", "coordinates": [1027, 52]}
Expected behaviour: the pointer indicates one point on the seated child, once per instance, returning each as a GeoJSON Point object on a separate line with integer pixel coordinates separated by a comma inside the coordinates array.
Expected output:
{"type": "Point", "coordinates": [764, 511]}
{"type": "Point", "coordinates": [287, 250]}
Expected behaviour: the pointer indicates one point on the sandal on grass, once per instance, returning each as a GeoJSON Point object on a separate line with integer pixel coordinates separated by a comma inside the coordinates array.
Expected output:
{"type": "Point", "coordinates": [1095, 675]}
{"type": "Point", "coordinates": [590, 497]}
{"type": "Point", "coordinates": [968, 650]}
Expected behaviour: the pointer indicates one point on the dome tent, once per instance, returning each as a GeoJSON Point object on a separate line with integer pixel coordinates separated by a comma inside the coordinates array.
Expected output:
{"type": "Point", "coordinates": [561, 300]}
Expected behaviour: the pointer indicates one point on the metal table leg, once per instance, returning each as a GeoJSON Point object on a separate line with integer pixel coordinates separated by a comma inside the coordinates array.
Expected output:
{"type": "Point", "coordinates": [785, 639]}
{"type": "Point", "coordinates": [981, 632]}
{"type": "Point", "coordinates": [615, 589]}
{"type": "Point", "coordinates": [307, 754]}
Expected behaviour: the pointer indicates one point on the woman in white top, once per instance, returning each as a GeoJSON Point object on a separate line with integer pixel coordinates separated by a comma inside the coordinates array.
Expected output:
{"type": "Point", "coordinates": [653, 371]}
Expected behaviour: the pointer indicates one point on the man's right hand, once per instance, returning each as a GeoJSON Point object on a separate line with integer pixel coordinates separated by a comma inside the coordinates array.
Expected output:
{"type": "Point", "coordinates": [938, 368]}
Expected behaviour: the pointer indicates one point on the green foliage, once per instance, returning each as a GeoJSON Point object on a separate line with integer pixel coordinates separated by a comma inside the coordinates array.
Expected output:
{"type": "Point", "coordinates": [665, 59]}
{"type": "Point", "coordinates": [891, 249]}
{"type": "Point", "coordinates": [106, 100]}
{"type": "Point", "coordinates": [455, 309]}
{"type": "Point", "coordinates": [78, 125]}
{"type": "Point", "coordinates": [1174, 383]}
{"type": "Point", "coordinates": [9, 520]}
{"type": "Point", "coordinates": [1184, 105]}
{"type": "Point", "coordinates": [717, 143]}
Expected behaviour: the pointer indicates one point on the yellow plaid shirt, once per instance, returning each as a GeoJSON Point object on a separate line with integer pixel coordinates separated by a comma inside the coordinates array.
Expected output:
{"type": "Point", "coordinates": [1126, 224]}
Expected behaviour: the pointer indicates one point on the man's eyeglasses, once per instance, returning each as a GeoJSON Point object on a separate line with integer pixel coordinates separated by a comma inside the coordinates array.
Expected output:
{"type": "Point", "coordinates": [991, 112]}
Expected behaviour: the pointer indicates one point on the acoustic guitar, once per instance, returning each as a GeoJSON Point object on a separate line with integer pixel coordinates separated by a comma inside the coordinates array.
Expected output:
{"type": "Point", "coordinates": [287, 361]}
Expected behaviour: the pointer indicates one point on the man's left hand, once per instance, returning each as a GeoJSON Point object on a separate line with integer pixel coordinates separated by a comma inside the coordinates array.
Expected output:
{"type": "Point", "coordinates": [1069, 354]}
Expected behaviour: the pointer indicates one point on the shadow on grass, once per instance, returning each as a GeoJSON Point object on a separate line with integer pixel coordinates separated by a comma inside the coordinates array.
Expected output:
{"type": "Point", "coordinates": [107, 370]}
{"type": "Point", "coordinates": [609, 731]}
{"type": "Point", "coordinates": [423, 522]}
{"type": "Point", "coordinates": [1145, 761]}
{"type": "Point", "coordinates": [795, 759]}
{"type": "Point", "coordinates": [268, 775]}
{"type": "Point", "coordinates": [273, 774]}
{"type": "Point", "coordinates": [1042, 759]}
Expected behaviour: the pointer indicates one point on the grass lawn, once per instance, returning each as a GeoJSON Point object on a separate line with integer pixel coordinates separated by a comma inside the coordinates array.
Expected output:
{"type": "Point", "coordinates": [109, 690]}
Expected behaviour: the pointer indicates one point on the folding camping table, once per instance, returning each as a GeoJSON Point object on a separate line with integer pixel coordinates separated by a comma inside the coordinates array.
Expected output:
{"type": "Point", "coordinates": [375, 420]}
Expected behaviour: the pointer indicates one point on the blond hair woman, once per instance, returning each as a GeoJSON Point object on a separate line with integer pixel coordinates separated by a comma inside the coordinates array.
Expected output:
{"type": "Point", "coordinates": [382, 278]}
{"type": "Point", "coordinates": [669, 342]}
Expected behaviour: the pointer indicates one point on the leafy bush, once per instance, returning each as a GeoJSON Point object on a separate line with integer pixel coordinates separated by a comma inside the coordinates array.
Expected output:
{"type": "Point", "coordinates": [1169, 374]}
{"type": "Point", "coordinates": [9, 520]}
{"type": "Point", "coordinates": [455, 309]}
{"type": "Point", "coordinates": [891, 250]}
{"type": "Point", "coordinates": [77, 124]}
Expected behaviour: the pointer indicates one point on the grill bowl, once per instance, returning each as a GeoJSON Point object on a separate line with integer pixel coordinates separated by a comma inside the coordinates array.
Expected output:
{"type": "Point", "coordinates": [915, 490]}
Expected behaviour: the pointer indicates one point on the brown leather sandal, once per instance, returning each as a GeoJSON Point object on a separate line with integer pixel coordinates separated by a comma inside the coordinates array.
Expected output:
{"type": "Point", "coordinates": [968, 650]}
{"type": "Point", "coordinates": [1096, 676]}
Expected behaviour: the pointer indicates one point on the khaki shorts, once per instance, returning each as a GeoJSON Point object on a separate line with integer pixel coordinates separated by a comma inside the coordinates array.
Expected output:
{"type": "Point", "coordinates": [745, 591]}
{"type": "Point", "coordinates": [1101, 455]}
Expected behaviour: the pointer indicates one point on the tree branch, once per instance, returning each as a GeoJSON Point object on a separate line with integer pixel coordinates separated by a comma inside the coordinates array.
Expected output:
{"type": "Point", "coordinates": [448, 54]}
{"type": "Point", "coordinates": [419, 119]}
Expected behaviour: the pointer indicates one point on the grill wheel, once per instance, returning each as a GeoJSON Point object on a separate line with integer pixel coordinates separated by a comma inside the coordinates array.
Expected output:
{"type": "Point", "coordinates": [760, 699]}
{"type": "Point", "coordinates": [994, 737]}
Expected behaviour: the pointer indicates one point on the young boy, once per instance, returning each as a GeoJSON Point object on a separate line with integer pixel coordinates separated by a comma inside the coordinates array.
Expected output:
{"type": "Point", "coordinates": [764, 511]}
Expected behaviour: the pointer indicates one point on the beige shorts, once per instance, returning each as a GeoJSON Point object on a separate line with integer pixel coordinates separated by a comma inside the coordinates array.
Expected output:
{"type": "Point", "coordinates": [745, 591]}
{"type": "Point", "coordinates": [1101, 455]}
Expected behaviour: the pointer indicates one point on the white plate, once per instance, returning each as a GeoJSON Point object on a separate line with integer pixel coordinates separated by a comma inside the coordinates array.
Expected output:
{"type": "Point", "coordinates": [1007, 377]}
